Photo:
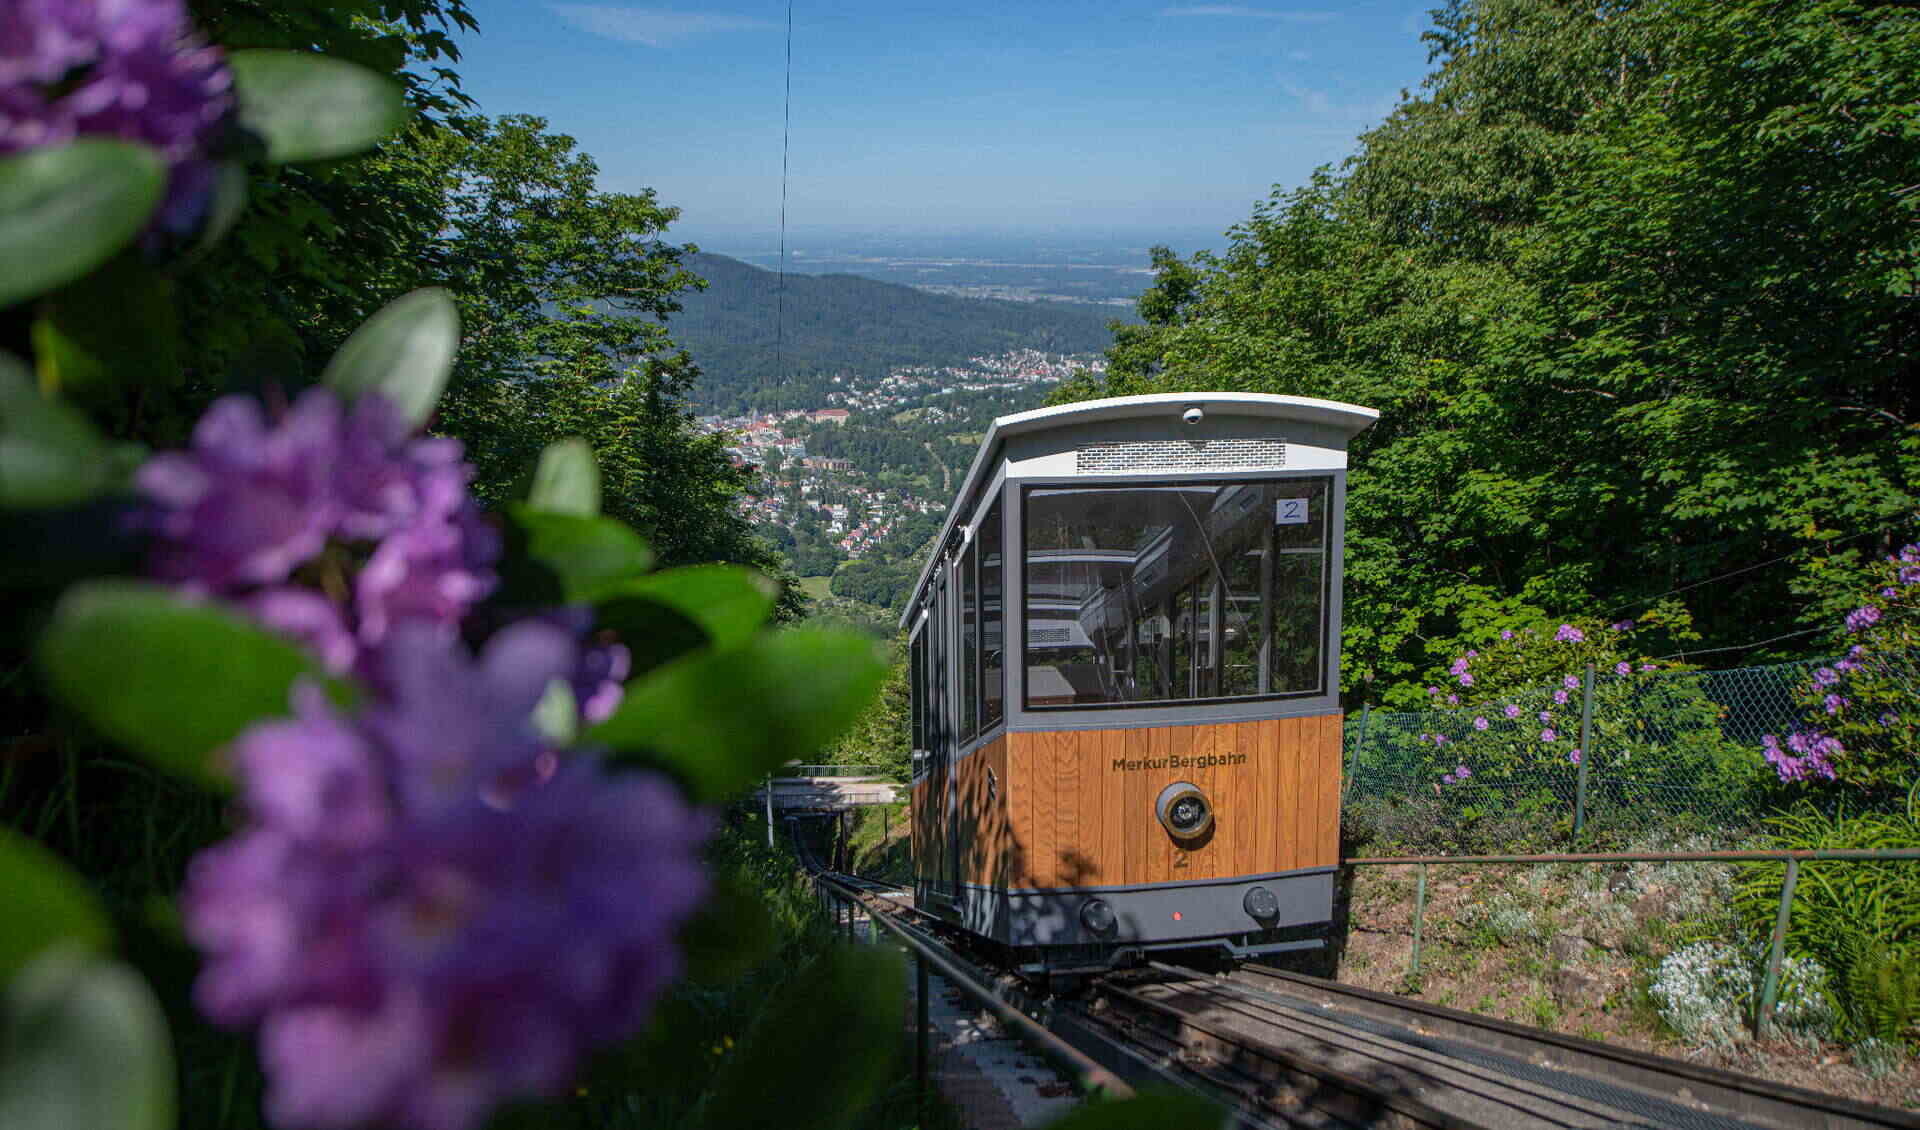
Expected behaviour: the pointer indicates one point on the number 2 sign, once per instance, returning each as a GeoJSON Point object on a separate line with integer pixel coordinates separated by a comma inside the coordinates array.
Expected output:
{"type": "Point", "coordinates": [1290, 512]}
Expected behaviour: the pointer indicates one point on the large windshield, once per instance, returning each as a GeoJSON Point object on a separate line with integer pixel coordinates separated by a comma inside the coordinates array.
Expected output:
{"type": "Point", "coordinates": [1177, 593]}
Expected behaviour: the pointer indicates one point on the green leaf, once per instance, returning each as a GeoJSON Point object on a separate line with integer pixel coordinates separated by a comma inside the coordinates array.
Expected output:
{"type": "Point", "coordinates": [557, 715]}
{"type": "Point", "coordinates": [49, 454]}
{"type": "Point", "coordinates": [404, 352]}
{"type": "Point", "coordinates": [653, 633]}
{"type": "Point", "coordinates": [729, 603]}
{"type": "Point", "coordinates": [567, 558]}
{"type": "Point", "coordinates": [225, 203]}
{"type": "Point", "coordinates": [567, 481]}
{"type": "Point", "coordinates": [48, 904]}
{"type": "Point", "coordinates": [723, 718]}
{"type": "Point", "coordinates": [66, 210]}
{"type": "Point", "coordinates": [86, 1045]}
{"type": "Point", "coordinates": [1161, 1111]}
{"type": "Point", "coordinates": [137, 662]}
{"type": "Point", "coordinates": [821, 1049]}
{"type": "Point", "coordinates": [307, 107]}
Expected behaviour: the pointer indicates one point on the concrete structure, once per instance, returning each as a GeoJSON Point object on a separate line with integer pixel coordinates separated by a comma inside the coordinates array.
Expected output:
{"type": "Point", "coordinates": [828, 794]}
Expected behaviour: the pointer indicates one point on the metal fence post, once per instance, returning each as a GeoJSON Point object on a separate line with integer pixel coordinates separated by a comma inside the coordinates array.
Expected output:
{"type": "Point", "coordinates": [1586, 754]}
{"type": "Point", "coordinates": [769, 811]}
{"type": "Point", "coordinates": [1353, 760]}
{"type": "Point", "coordinates": [920, 1033]}
{"type": "Point", "coordinates": [1419, 916]}
{"type": "Point", "coordinates": [1770, 988]}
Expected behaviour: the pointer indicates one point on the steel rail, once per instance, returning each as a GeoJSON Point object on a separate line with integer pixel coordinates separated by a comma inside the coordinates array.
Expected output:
{"type": "Point", "coordinates": [1743, 1095]}
{"type": "Point", "coordinates": [1265, 1077]}
{"type": "Point", "coordinates": [1089, 1077]}
{"type": "Point", "coordinates": [1802, 855]}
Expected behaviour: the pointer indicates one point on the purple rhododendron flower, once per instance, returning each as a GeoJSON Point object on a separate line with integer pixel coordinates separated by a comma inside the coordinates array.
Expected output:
{"type": "Point", "coordinates": [1620, 626]}
{"type": "Point", "coordinates": [1472, 654]}
{"type": "Point", "coordinates": [1835, 703]}
{"type": "Point", "coordinates": [1546, 715]}
{"type": "Point", "coordinates": [1462, 772]}
{"type": "Point", "coordinates": [1825, 677]}
{"type": "Point", "coordinates": [254, 501]}
{"type": "Point", "coordinates": [125, 69]}
{"type": "Point", "coordinates": [1433, 690]}
{"type": "Point", "coordinates": [1646, 667]}
{"type": "Point", "coordinates": [1512, 711]}
{"type": "Point", "coordinates": [1889, 592]}
{"type": "Point", "coordinates": [251, 501]}
{"type": "Point", "coordinates": [1569, 634]}
{"type": "Point", "coordinates": [1466, 680]}
{"type": "Point", "coordinates": [1506, 633]}
{"type": "Point", "coordinates": [1548, 735]}
{"type": "Point", "coordinates": [1479, 723]}
{"type": "Point", "coordinates": [1623, 668]}
{"type": "Point", "coordinates": [1574, 757]}
{"type": "Point", "coordinates": [1459, 667]}
{"type": "Point", "coordinates": [1439, 739]}
{"type": "Point", "coordinates": [1862, 618]}
{"type": "Point", "coordinates": [1571, 682]}
{"type": "Point", "coordinates": [428, 910]}
{"type": "Point", "coordinates": [599, 680]}
{"type": "Point", "coordinates": [1910, 574]}
{"type": "Point", "coordinates": [1453, 700]}
{"type": "Point", "coordinates": [1560, 697]}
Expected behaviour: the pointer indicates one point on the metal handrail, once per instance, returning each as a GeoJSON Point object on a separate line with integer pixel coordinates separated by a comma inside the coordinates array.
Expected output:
{"type": "Point", "coordinates": [1089, 1077]}
{"type": "Point", "coordinates": [1776, 949]}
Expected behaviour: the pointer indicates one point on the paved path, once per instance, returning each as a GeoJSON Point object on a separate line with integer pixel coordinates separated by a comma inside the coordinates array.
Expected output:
{"type": "Point", "coordinates": [994, 1080]}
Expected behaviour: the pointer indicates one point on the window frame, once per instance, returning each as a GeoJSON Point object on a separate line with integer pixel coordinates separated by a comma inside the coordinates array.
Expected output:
{"type": "Point", "coordinates": [1333, 543]}
{"type": "Point", "coordinates": [992, 520]}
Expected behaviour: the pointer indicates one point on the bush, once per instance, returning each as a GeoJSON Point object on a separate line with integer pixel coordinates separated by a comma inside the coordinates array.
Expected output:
{"type": "Point", "coordinates": [1500, 748]}
{"type": "Point", "coordinates": [1859, 918]}
{"type": "Point", "coordinates": [1860, 726]}
{"type": "Point", "coordinates": [1706, 992]}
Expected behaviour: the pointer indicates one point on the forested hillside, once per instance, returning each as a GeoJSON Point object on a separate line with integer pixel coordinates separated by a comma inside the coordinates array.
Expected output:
{"type": "Point", "coordinates": [1636, 288]}
{"type": "Point", "coordinates": [844, 324]}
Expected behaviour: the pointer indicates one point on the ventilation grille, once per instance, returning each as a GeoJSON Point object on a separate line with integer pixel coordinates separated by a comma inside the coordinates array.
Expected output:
{"type": "Point", "coordinates": [1049, 635]}
{"type": "Point", "coordinates": [1179, 455]}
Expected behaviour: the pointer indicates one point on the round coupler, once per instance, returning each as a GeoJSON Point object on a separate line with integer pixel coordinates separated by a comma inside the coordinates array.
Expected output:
{"type": "Point", "coordinates": [1096, 916]}
{"type": "Point", "coordinates": [1261, 904]}
{"type": "Point", "coordinates": [1184, 810]}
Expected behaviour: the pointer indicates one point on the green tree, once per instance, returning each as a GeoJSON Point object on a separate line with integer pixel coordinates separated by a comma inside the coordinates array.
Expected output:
{"type": "Point", "coordinates": [564, 291]}
{"type": "Point", "coordinates": [1633, 287]}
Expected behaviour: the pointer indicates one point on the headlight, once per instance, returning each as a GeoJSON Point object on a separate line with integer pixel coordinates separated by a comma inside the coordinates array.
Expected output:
{"type": "Point", "coordinates": [1097, 916]}
{"type": "Point", "coordinates": [1261, 903]}
{"type": "Point", "coordinates": [1184, 810]}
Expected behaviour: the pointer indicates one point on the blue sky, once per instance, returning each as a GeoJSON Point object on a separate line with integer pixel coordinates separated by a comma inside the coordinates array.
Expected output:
{"type": "Point", "coordinates": [1061, 115]}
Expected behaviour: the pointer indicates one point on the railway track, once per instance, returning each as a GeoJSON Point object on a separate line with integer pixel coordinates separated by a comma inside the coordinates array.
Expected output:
{"type": "Point", "coordinates": [1302, 1051]}
{"type": "Point", "coordinates": [1287, 1050]}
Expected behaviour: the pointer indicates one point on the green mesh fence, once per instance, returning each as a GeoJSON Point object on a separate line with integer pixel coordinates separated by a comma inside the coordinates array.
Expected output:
{"type": "Point", "coordinates": [1675, 752]}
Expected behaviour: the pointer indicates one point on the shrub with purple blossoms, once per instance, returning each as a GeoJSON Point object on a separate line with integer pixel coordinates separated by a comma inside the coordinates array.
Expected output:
{"type": "Point", "coordinates": [1859, 726]}
{"type": "Point", "coordinates": [469, 821]}
{"type": "Point", "coordinates": [1518, 726]}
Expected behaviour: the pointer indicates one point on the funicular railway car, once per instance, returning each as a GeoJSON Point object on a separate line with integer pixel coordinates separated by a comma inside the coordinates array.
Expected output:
{"type": "Point", "coordinates": [1125, 666]}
